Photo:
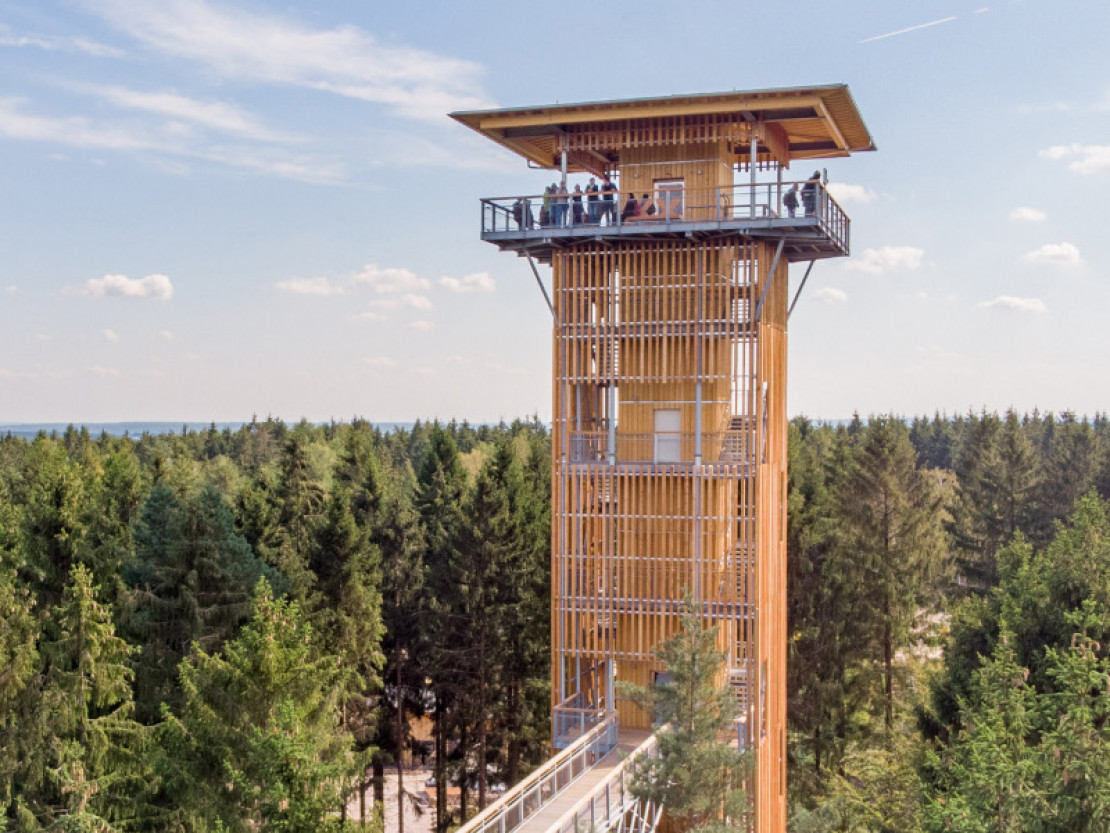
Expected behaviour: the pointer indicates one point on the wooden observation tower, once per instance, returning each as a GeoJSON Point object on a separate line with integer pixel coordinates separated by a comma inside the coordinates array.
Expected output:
{"type": "Point", "coordinates": [669, 382]}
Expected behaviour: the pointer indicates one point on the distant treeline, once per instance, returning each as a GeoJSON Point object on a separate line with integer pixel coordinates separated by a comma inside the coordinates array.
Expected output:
{"type": "Point", "coordinates": [230, 629]}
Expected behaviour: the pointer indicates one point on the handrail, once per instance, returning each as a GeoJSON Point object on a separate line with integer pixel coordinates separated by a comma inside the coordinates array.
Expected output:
{"type": "Point", "coordinates": [611, 795]}
{"type": "Point", "coordinates": [557, 213]}
{"type": "Point", "coordinates": [537, 790]}
{"type": "Point", "coordinates": [728, 447]}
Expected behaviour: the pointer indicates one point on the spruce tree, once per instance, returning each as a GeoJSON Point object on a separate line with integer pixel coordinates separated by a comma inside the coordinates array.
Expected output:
{"type": "Point", "coordinates": [91, 771]}
{"type": "Point", "coordinates": [257, 741]}
{"type": "Point", "coordinates": [698, 776]}
{"type": "Point", "coordinates": [192, 578]}
{"type": "Point", "coordinates": [889, 524]}
{"type": "Point", "coordinates": [441, 492]}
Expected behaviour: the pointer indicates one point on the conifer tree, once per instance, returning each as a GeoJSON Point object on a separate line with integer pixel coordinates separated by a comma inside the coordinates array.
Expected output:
{"type": "Point", "coordinates": [55, 522]}
{"type": "Point", "coordinates": [441, 492]}
{"type": "Point", "coordinates": [19, 657]}
{"type": "Point", "coordinates": [988, 777]}
{"type": "Point", "coordinates": [257, 742]}
{"type": "Point", "coordinates": [698, 776]}
{"type": "Point", "coordinates": [192, 578]}
{"type": "Point", "coordinates": [889, 524]}
{"type": "Point", "coordinates": [90, 772]}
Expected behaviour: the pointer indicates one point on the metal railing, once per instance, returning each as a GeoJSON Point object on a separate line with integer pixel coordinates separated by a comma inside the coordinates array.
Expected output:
{"type": "Point", "coordinates": [662, 447]}
{"type": "Point", "coordinates": [525, 799]}
{"type": "Point", "coordinates": [609, 800]}
{"type": "Point", "coordinates": [554, 213]}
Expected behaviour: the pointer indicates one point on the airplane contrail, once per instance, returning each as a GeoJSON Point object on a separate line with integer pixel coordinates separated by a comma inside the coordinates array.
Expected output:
{"type": "Point", "coordinates": [910, 29]}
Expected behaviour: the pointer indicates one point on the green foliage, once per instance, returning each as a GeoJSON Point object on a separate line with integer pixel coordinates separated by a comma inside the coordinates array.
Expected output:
{"type": "Point", "coordinates": [257, 740]}
{"type": "Point", "coordinates": [698, 775]}
{"type": "Point", "coordinates": [174, 530]}
{"type": "Point", "coordinates": [192, 576]}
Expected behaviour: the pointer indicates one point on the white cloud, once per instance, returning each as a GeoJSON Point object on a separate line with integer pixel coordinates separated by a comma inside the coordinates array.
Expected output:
{"type": "Point", "coordinates": [830, 295]}
{"type": "Point", "coordinates": [215, 115]}
{"type": "Point", "coordinates": [310, 286]}
{"type": "Point", "coordinates": [389, 279]}
{"type": "Point", "coordinates": [1086, 159]}
{"type": "Point", "coordinates": [171, 137]}
{"type": "Point", "coordinates": [409, 300]}
{"type": "Point", "coordinates": [156, 287]}
{"type": "Point", "coordinates": [100, 370]}
{"type": "Point", "coordinates": [1014, 304]}
{"type": "Point", "coordinates": [1060, 254]}
{"type": "Point", "coordinates": [166, 334]}
{"type": "Point", "coordinates": [845, 193]}
{"type": "Point", "coordinates": [345, 60]}
{"type": "Point", "coordinates": [367, 316]}
{"type": "Point", "coordinates": [886, 259]}
{"type": "Point", "coordinates": [12, 289]}
{"type": "Point", "coordinates": [422, 326]}
{"type": "Point", "coordinates": [478, 282]}
{"type": "Point", "coordinates": [111, 336]}
{"type": "Point", "coordinates": [74, 130]}
{"type": "Point", "coordinates": [380, 361]}
{"type": "Point", "coordinates": [1027, 214]}
{"type": "Point", "coordinates": [48, 44]}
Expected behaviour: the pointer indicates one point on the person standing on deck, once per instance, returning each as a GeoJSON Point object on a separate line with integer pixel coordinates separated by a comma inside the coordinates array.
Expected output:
{"type": "Point", "coordinates": [809, 194]}
{"type": "Point", "coordinates": [607, 208]}
{"type": "Point", "coordinates": [576, 206]}
{"type": "Point", "coordinates": [790, 200]}
{"type": "Point", "coordinates": [591, 202]}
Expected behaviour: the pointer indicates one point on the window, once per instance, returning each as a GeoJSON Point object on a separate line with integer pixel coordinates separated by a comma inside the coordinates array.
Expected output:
{"type": "Point", "coordinates": [669, 197]}
{"type": "Point", "coordinates": [668, 437]}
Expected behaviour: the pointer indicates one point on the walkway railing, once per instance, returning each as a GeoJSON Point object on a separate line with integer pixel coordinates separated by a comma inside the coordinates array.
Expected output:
{"type": "Point", "coordinates": [717, 448]}
{"type": "Point", "coordinates": [549, 214]}
{"type": "Point", "coordinates": [611, 800]}
{"type": "Point", "coordinates": [537, 790]}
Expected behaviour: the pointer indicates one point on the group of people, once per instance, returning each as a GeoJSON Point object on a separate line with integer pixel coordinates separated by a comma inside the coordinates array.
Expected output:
{"type": "Point", "coordinates": [809, 196]}
{"type": "Point", "coordinates": [595, 205]}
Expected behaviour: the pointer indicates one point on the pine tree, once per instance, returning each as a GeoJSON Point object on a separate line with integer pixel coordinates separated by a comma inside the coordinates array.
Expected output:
{"type": "Point", "coordinates": [19, 656]}
{"type": "Point", "coordinates": [346, 610]}
{"type": "Point", "coordinates": [91, 768]}
{"type": "Point", "coordinates": [299, 500]}
{"type": "Point", "coordinates": [988, 777]}
{"type": "Point", "coordinates": [441, 493]}
{"type": "Point", "coordinates": [55, 525]}
{"type": "Point", "coordinates": [192, 577]}
{"type": "Point", "coordinates": [698, 776]}
{"type": "Point", "coordinates": [257, 742]}
{"type": "Point", "coordinates": [889, 523]}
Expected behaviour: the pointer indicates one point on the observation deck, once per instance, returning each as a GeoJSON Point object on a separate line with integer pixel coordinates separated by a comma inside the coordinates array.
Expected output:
{"type": "Point", "coordinates": [818, 228]}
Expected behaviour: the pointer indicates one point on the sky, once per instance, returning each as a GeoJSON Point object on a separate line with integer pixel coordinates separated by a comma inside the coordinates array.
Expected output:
{"type": "Point", "coordinates": [223, 208]}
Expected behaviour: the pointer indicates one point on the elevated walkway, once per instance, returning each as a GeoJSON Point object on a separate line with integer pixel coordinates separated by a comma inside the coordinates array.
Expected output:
{"type": "Point", "coordinates": [584, 787]}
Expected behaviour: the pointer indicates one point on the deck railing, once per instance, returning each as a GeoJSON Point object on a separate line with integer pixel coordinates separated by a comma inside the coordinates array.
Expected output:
{"type": "Point", "coordinates": [553, 214]}
{"type": "Point", "coordinates": [663, 447]}
{"type": "Point", "coordinates": [525, 799]}
{"type": "Point", "coordinates": [610, 799]}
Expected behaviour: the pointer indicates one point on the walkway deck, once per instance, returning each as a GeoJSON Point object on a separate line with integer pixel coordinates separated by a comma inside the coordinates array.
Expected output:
{"type": "Point", "coordinates": [585, 784]}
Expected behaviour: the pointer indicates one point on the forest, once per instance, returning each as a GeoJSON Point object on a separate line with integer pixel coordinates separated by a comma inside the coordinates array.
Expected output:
{"type": "Point", "coordinates": [232, 630]}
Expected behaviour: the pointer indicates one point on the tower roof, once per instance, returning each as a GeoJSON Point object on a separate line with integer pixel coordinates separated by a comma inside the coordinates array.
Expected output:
{"type": "Point", "coordinates": [788, 123]}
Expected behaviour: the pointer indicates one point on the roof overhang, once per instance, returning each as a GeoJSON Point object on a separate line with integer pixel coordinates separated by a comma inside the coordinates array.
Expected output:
{"type": "Point", "coordinates": [787, 123]}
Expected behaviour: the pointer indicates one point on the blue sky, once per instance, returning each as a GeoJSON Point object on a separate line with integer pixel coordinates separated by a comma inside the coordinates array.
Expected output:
{"type": "Point", "coordinates": [218, 209]}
